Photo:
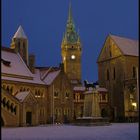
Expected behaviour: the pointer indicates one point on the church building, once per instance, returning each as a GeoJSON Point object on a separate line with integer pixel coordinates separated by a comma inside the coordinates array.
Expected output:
{"type": "Point", "coordinates": [118, 72]}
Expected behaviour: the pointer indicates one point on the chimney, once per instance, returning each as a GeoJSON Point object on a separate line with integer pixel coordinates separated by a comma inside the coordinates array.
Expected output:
{"type": "Point", "coordinates": [32, 63]}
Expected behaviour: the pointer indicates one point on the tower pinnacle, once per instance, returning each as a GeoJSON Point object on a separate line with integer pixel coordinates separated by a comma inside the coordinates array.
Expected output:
{"type": "Point", "coordinates": [70, 13]}
{"type": "Point", "coordinates": [71, 35]}
{"type": "Point", "coordinates": [20, 33]}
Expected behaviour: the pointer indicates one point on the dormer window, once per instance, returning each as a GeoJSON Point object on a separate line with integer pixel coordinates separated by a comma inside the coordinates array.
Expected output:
{"type": "Point", "coordinates": [6, 63]}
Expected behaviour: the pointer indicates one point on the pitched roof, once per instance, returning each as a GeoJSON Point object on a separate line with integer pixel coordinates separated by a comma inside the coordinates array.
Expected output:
{"type": "Point", "coordinates": [15, 69]}
{"type": "Point", "coordinates": [17, 65]}
{"type": "Point", "coordinates": [50, 77]}
{"type": "Point", "coordinates": [22, 95]}
{"type": "Point", "coordinates": [20, 33]}
{"type": "Point", "coordinates": [126, 45]}
{"type": "Point", "coordinates": [101, 89]}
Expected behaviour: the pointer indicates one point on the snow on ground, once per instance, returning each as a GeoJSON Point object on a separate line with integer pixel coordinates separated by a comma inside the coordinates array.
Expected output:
{"type": "Point", "coordinates": [115, 131]}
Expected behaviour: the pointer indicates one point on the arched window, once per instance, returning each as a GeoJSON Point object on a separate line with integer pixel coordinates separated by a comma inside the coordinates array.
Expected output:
{"type": "Point", "coordinates": [24, 89]}
{"type": "Point", "coordinates": [4, 102]}
{"type": "Point", "coordinates": [12, 107]}
{"type": "Point", "coordinates": [56, 94]}
{"type": "Point", "coordinates": [15, 110]}
{"type": "Point", "coordinates": [24, 49]}
{"type": "Point", "coordinates": [114, 74]}
{"type": "Point", "coordinates": [8, 104]}
{"type": "Point", "coordinates": [67, 95]}
{"type": "Point", "coordinates": [36, 95]}
{"type": "Point", "coordinates": [107, 74]}
{"type": "Point", "coordinates": [11, 89]}
{"type": "Point", "coordinates": [20, 89]}
{"type": "Point", "coordinates": [4, 86]}
{"type": "Point", "coordinates": [8, 88]}
{"type": "Point", "coordinates": [134, 72]}
{"type": "Point", "coordinates": [19, 46]}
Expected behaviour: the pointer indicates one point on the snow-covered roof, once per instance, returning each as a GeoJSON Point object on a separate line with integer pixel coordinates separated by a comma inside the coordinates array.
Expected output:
{"type": "Point", "coordinates": [79, 88]}
{"type": "Point", "coordinates": [18, 70]}
{"type": "Point", "coordinates": [22, 95]}
{"type": "Point", "coordinates": [17, 65]}
{"type": "Point", "coordinates": [43, 73]}
{"type": "Point", "coordinates": [50, 77]}
{"type": "Point", "coordinates": [127, 46]}
{"type": "Point", "coordinates": [20, 33]}
{"type": "Point", "coordinates": [36, 79]}
{"type": "Point", "coordinates": [100, 89]}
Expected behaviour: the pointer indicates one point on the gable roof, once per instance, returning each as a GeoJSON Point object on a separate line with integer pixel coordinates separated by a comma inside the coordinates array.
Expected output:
{"type": "Point", "coordinates": [126, 45]}
{"type": "Point", "coordinates": [22, 95]}
{"type": "Point", "coordinates": [51, 76]}
{"type": "Point", "coordinates": [17, 65]}
{"type": "Point", "coordinates": [15, 69]}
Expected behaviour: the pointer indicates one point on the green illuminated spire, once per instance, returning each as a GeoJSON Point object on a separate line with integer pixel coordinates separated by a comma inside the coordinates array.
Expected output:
{"type": "Point", "coordinates": [70, 13]}
{"type": "Point", "coordinates": [70, 35]}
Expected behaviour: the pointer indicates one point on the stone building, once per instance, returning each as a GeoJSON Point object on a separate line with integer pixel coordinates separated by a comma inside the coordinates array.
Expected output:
{"type": "Point", "coordinates": [60, 101]}
{"type": "Point", "coordinates": [78, 96]}
{"type": "Point", "coordinates": [118, 72]}
{"type": "Point", "coordinates": [27, 90]}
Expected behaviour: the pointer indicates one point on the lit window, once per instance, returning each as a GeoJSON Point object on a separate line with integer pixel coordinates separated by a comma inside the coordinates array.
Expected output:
{"type": "Point", "coordinates": [134, 105]}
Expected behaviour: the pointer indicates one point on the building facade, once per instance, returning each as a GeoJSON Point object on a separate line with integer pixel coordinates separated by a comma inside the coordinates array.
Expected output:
{"type": "Point", "coordinates": [28, 92]}
{"type": "Point", "coordinates": [118, 71]}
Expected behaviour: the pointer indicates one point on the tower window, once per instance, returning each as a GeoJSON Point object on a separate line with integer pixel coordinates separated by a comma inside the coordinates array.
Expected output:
{"type": "Point", "coordinates": [23, 44]}
{"type": "Point", "coordinates": [134, 72]}
{"type": "Point", "coordinates": [110, 53]}
{"type": "Point", "coordinates": [114, 74]}
{"type": "Point", "coordinates": [107, 74]}
{"type": "Point", "coordinates": [18, 46]}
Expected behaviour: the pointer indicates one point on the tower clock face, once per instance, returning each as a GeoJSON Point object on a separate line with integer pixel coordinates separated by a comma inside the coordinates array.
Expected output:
{"type": "Point", "coordinates": [73, 57]}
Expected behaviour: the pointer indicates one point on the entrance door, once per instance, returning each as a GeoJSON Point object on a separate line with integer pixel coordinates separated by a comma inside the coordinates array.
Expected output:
{"type": "Point", "coordinates": [28, 118]}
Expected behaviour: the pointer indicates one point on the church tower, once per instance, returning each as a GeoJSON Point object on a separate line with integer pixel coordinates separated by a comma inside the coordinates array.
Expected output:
{"type": "Point", "coordinates": [20, 44]}
{"type": "Point", "coordinates": [71, 51]}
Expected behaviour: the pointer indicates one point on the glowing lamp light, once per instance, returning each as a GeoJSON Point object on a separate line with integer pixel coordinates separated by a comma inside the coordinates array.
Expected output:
{"type": "Point", "coordinates": [134, 104]}
{"type": "Point", "coordinates": [73, 57]}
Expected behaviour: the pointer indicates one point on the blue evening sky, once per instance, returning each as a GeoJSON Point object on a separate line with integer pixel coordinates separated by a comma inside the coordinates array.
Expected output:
{"type": "Point", "coordinates": [44, 22]}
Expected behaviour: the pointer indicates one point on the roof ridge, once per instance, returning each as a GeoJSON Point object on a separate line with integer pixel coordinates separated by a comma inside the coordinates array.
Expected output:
{"type": "Point", "coordinates": [123, 37]}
